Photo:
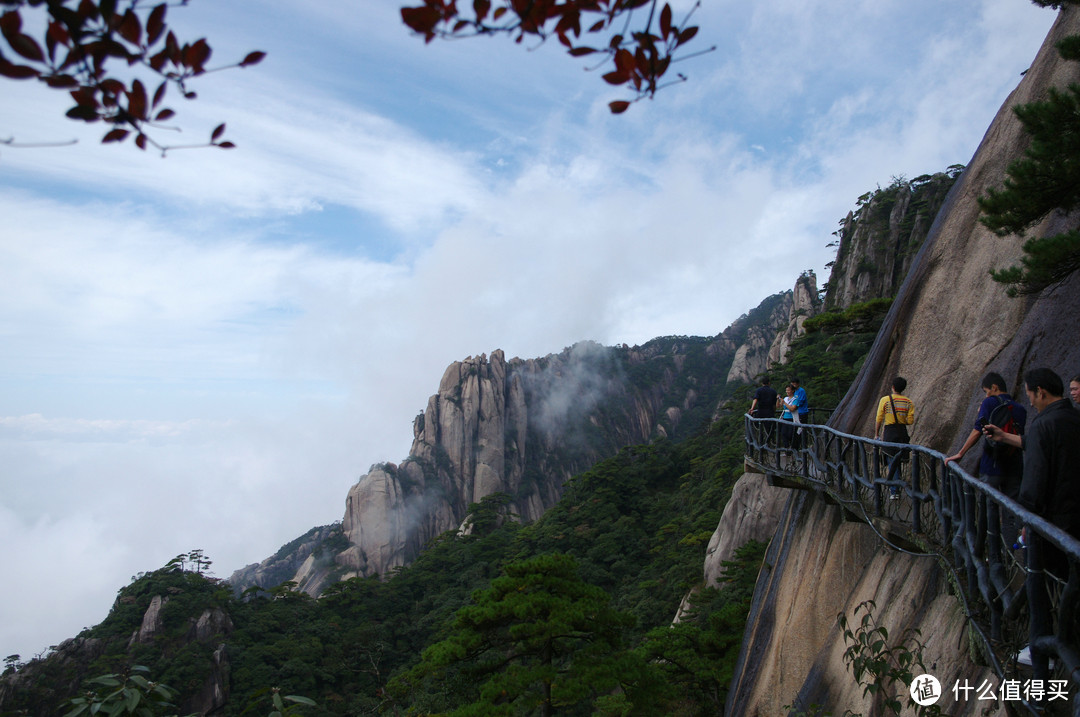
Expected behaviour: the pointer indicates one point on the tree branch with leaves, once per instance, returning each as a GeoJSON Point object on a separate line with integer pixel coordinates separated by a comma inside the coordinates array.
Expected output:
{"type": "Point", "coordinates": [638, 39]}
{"type": "Point", "coordinates": [116, 58]}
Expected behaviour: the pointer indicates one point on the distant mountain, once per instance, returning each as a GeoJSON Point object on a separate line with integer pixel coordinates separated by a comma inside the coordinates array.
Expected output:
{"type": "Point", "coordinates": [524, 427]}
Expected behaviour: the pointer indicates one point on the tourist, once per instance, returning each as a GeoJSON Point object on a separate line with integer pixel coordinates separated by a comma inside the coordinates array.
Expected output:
{"type": "Point", "coordinates": [1000, 465]}
{"type": "Point", "coordinates": [764, 406]}
{"type": "Point", "coordinates": [895, 413]}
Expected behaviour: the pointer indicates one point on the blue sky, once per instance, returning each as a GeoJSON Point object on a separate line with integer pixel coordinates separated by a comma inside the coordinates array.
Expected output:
{"type": "Point", "coordinates": [207, 350]}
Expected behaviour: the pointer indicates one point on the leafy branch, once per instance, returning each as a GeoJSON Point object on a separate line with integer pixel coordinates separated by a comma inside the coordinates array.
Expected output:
{"type": "Point", "coordinates": [639, 47]}
{"type": "Point", "coordinates": [878, 665]}
{"type": "Point", "coordinates": [83, 43]}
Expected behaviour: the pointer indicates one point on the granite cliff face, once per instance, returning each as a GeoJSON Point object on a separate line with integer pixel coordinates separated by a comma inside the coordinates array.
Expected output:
{"type": "Point", "coordinates": [879, 239]}
{"type": "Point", "coordinates": [948, 326]}
{"type": "Point", "coordinates": [523, 427]}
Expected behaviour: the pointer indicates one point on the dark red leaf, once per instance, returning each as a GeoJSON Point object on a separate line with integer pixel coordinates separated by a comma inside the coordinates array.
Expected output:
{"type": "Point", "coordinates": [16, 72]}
{"type": "Point", "coordinates": [253, 58]}
{"type": "Point", "coordinates": [196, 56]}
{"type": "Point", "coordinates": [616, 78]}
{"type": "Point", "coordinates": [113, 86]}
{"type": "Point", "coordinates": [687, 35]}
{"type": "Point", "coordinates": [130, 28]}
{"type": "Point", "coordinates": [26, 46]}
{"type": "Point", "coordinates": [86, 113]}
{"type": "Point", "coordinates": [581, 51]}
{"type": "Point", "coordinates": [137, 100]}
{"type": "Point", "coordinates": [499, 12]}
{"type": "Point", "coordinates": [665, 21]}
{"type": "Point", "coordinates": [155, 24]}
{"type": "Point", "coordinates": [618, 106]}
{"type": "Point", "coordinates": [157, 62]}
{"type": "Point", "coordinates": [107, 8]}
{"type": "Point", "coordinates": [60, 82]}
{"type": "Point", "coordinates": [85, 96]}
{"type": "Point", "coordinates": [140, 141]}
{"type": "Point", "coordinates": [421, 20]}
{"type": "Point", "coordinates": [598, 26]}
{"type": "Point", "coordinates": [159, 94]}
{"type": "Point", "coordinates": [88, 10]}
{"type": "Point", "coordinates": [172, 48]}
{"type": "Point", "coordinates": [218, 131]}
{"type": "Point", "coordinates": [482, 8]}
{"type": "Point", "coordinates": [226, 145]}
{"type": "Point", "coordinates": [11, 23]}
{"type": "Point", "coordinates": [164, 115]}
{"type": "Point", "coordinates": [116, 135]}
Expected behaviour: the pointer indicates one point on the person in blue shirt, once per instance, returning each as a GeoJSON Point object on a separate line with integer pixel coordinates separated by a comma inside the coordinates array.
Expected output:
{"type": "Point", "coordinates": [1002, 469]}
{"type": "Point", "coordinates": [801, 401]}
{"type": "Point", "coordinates": [1000, 466]}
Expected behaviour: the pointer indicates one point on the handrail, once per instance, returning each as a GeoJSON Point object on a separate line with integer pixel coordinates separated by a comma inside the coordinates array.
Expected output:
{"type": "Point", "coordinates": [1011, 596]}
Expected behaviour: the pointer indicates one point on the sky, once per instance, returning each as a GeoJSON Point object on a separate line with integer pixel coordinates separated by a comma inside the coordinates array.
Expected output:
{"type": "Point", "coordinates": [205, 351]}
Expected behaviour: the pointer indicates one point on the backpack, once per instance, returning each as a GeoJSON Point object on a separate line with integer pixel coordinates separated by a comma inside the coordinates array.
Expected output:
{"type": "Point", "coordinates": [1002, 417]}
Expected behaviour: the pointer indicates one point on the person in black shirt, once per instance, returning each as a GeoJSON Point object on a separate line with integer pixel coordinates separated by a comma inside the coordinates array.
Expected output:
{"type": "Point", "coordinates": [764, 405]}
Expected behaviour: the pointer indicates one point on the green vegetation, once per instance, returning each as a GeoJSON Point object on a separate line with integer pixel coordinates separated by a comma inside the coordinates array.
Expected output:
{"type": "Point", "coordinates": [880, 667]}
{"type": "Point", "coordinates": [128, 693]}
{"type": "Point", "coordinates": [1045, 180]}
{"type": "Point", "coordinates": [828, 357]}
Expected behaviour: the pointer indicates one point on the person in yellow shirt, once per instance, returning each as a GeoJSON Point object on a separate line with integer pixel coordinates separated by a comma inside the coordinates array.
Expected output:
{"type": "Point", "coordinates": [895, 413]}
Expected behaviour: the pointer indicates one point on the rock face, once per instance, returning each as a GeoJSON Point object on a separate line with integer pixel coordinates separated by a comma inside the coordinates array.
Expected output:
{"type": "Point", "coordinates": [300, 560]}
{"type": "Point", "coordinates": [523, 427]}
{"type": "Point", "coordinates": [943, 339]}
{"type": "Point", "coordinates": [752, 513]}
{"type": "Point", "coordinates": [879, 240]}
{"type": "Point", "coordinates": [764, 343]}
{"type": "Point", "coordinates": [804, 304]}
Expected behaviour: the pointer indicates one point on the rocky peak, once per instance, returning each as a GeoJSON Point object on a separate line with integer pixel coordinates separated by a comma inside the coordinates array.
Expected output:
{"type": "Point", "coordinates": [804, 304]}
{"type": "Point", "coordinates": [879, 239]}
{"type": "Point", "coordinates": [523, 427]}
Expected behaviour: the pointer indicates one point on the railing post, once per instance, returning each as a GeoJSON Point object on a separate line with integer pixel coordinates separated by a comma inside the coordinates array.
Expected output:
{"type": "Point", "coordinates": [916, 493]}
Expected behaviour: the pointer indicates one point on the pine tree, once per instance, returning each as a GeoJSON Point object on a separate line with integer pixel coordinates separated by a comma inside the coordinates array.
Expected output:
{"type": "Point", "coordinates": [539, 639]}
{"type": "Point", "coordinates": [1045, 180]}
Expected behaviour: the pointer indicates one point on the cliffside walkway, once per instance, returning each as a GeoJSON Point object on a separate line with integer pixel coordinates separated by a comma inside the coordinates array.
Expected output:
{"type": "Point", "coordinates": [944, 512]}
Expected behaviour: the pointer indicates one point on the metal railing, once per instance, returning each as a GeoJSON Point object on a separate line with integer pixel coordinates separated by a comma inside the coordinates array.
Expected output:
{"type": "Point", "coordinates": [1015, 596]}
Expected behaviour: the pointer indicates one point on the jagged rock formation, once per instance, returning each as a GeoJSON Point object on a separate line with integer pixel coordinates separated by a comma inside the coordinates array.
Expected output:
{"type": "Point", "coordinates": [943, 339]}
{"type": "Point", "coordinates": [804, 304]}
{"type": "Point", "coordinates": [304, 559]}
{"type": "Point", "coordinates": [523, 427]}
{"type": "Point", "coordinates": [879, 240]}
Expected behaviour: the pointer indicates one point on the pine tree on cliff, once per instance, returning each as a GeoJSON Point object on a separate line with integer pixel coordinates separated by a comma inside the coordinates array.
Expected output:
{"type": "Point", "coordinates": [1046, 179]}
{"type": "Point", "coordinates": [538, 640]}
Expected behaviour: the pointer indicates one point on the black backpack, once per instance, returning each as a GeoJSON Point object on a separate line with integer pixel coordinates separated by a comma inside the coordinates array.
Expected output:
{"type": "Point", "coordinates": [1002, 417]}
